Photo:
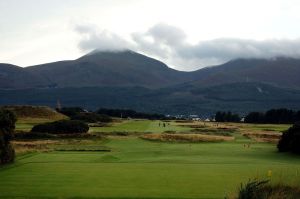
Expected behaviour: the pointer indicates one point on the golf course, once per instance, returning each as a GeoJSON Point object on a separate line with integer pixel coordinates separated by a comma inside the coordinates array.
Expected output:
{"type": "Point", "coordinates": [117, 165]}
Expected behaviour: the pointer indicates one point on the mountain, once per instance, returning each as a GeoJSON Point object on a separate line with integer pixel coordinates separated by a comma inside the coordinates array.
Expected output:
{"type": "Point", "coordinates": [128, 68]}
{"type": "Point", "coordinates": [126, 79]}
{"type": "Point", "coordinates": [123, 68]}
{"type": "Point", "coordinates": [236, 97]}
{"type": "Point", "coordinates": [281, 72]}
{"type": "Point", "coordinates": [12, 77]}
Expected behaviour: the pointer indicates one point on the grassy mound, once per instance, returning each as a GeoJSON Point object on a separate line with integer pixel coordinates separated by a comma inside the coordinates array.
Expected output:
{"type": "Point", "coordinates": [186, 137]}
{"type": "Point", "coordinates": [40, 112]}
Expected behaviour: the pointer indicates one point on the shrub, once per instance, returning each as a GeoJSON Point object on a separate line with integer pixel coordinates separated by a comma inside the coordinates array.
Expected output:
{"type": "Point", "coordinates": [290, 140]}
{"type": "Point", "coordinates": [7, 126]}
{"type": "Point", "coordinates": [252, 190]}
{"type": "Point", "coordinates": [91, 118]}
{"type": "Point", "coordinates": [62, 127]}
{"type": "Point", "coordinates": [71, 111]}
{"type": "Point", "coordinates": [260, 189]}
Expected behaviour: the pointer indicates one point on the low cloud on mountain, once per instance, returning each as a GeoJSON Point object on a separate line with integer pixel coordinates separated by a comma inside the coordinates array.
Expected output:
{"type": "Point", "coordinates": [170, 44]}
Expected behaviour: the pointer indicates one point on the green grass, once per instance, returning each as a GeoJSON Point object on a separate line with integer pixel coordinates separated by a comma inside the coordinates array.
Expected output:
{"type": "Point", "coordinates": [139, 126]}
{"type": "Point", "coordinates": [141, 169]}
{"type": "Point", "coordinates": [136, 168]}
{"type": "Point", "coordinates": [27, 124]}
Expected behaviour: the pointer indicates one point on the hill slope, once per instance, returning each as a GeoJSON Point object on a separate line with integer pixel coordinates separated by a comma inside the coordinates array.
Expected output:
{"type": "Point", "coordinates": [237, 97]}
{"type": "Point", "coordinates": [127, 69]}
{"type": "Point", "coordinates": [124, 68]}
{"type": "Point", "coordinates": [126, 79]}
{"type": "Point", "coordinates": [281, 72]}
{"type": "Point", "coordinates": [12, 77]}
{"type": "Point", "coordinates": [40, 112]}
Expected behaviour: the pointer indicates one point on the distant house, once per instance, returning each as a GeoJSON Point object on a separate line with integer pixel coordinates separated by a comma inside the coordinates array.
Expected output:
{"type": "Point", "coordinates": [207, 120]}
{"type": "Point", "coordinates": [196, 119]}
{"type": "Point", "coordinates": [84, 111]}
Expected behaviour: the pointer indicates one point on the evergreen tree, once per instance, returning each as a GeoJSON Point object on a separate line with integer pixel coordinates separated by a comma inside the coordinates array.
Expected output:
{"type": "Point", "coordinates": [7, 126]}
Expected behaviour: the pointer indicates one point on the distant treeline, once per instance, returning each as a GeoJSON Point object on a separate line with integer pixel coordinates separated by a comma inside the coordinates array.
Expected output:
{"type": "Point", "coordinates": [227, 117]}
{"type": "Point", "coordinates": [104, 114]}
{"type": "Point", "coordinates": [274, 116]}
{"type": "Point", "coordinates": [78, 113]}
{"type": "Point", "coordinates": [126, 113]}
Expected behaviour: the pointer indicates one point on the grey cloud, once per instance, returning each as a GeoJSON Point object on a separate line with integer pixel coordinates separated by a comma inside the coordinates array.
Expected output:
{"type": "Point", "coordinates": [169, 44]}
{"type": "Point", "coordinates": [226, 49]}
{"type": "Point", "coordinates": [94, 38]}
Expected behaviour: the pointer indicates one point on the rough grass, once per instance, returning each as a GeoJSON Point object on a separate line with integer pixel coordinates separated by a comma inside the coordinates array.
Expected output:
{"type": "Point", "coordinates": [27, 146]}
{"type": "Point", "coordinates": [40, 112]}
{"type": "Point", "coordinates": [186, 137]}
{"type": "Point", "coordinates": [261, 189]}
{"type": "Point", "coordinates": [264, 136]}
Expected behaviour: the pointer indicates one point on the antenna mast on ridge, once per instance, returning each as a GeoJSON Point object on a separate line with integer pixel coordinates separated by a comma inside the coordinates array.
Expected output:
{"type": "Point", "coordinates": [58, 105]}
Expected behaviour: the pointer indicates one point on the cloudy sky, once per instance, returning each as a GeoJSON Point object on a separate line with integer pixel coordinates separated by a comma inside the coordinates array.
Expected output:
{"type": "Point", "coordinates": [187, 34]}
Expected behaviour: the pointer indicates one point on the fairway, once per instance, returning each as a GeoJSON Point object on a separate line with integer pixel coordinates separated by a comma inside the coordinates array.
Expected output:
{"type": "Point", "coordinates": [144, 126]}
{"type": "Point", "coordinates": [137, 168]}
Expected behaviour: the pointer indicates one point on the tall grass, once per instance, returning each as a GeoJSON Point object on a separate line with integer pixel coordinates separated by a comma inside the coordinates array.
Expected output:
{"type": "Point", "coordinates": [261, 189]}
{"type": "Point", "coordinates": [186, 137]}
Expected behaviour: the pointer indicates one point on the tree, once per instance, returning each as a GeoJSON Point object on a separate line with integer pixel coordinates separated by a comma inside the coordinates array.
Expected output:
{"type": "Point", "coordinates": [70, 111]}
{"type": "Point", "coordinates": [274, 116]}
{"type": "Point", "coordinates": [91, 117]}
{"type": "Point", "coordinates": [227, 117]}
{"type": "Point", "coordinates": [255, 117]}
{"type": "Point", "coordinates": [61, 127]}
{"type": "Point", "coordinates": [7, 126]}
{"type": "Point", "coordinates": [290, 140]}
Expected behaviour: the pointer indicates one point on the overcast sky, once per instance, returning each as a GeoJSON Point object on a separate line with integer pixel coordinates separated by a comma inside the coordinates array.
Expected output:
{"type": "Point", "coordinates": [186, 34]}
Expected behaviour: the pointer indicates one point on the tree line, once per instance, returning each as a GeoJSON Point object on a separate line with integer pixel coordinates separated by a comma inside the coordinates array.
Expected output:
{"type": "Point", "coordinates": [273, 116]}
{"type": "Point", "coordinates": [129, 113]}
{"type": "Point", "coordinates": [227, 117]}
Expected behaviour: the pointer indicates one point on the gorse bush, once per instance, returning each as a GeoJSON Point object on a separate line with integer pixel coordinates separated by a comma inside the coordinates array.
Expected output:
{"type": "Point", "coordinates": [71, 111]}
{"type": "Point", "coordinates": [251, 190]}
{"type": "Point", "coordinates": [260, 189]}
{"type": "Point", "coordinates": [91, 118]}
{"type": "Point", "coordinates": [290, 140]}
{"type": "Point", "coordinates": [7, 126]}
{"type": "Point", "coordinates": [62, 127]}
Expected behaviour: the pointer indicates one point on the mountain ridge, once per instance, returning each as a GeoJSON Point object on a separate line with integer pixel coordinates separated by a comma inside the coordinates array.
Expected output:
{"type": "Point", "coordinates": [128, 68]}
{"type": "Point", "coordinates": [131, 80]}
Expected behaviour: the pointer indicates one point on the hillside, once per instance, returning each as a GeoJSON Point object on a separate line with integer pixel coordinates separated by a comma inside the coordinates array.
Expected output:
{"type": "Point", "coordinates": [12, 77]}
{"type": "Point", "coordinates": [124, 68]}
{"type": "Point", "coordinates": [39, 112]}
{"type": "Point", "coordinates": [281, 72]}
{"type": "Point", "coordinates": [237, 97]}
{"type": "Point", "coordinates": [130, 69]}
{"type": "Point", "coordinates": [126, 79]}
